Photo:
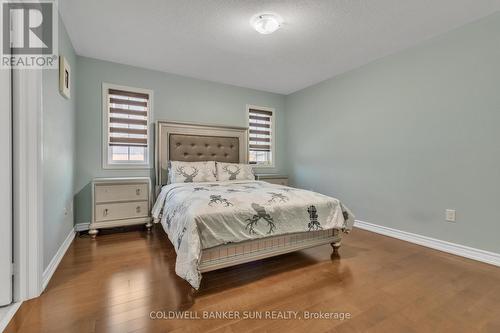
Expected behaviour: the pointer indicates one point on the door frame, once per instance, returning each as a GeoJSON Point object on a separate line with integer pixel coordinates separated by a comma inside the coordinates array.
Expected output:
{"type": "Point", "coordinates": [6, 203]}
{"type": "Point", "coordinates": [28, 183]}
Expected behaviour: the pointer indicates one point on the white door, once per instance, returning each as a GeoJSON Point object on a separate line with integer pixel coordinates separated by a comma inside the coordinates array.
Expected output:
{"type": "Point", "coordinates": [5, 188]}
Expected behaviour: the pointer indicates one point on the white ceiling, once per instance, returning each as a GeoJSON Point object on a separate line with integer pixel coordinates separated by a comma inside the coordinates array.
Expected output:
{"type": "Point", "coordinates": [213, 40]}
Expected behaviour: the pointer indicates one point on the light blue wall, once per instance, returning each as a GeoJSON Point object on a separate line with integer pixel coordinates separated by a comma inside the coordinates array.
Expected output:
{"type": "Point", "coordinates": [58, 136]}
{"type": "Point", "coordinates": [176, 98]}
{"type": "Point", "coordinates": [404, 138]}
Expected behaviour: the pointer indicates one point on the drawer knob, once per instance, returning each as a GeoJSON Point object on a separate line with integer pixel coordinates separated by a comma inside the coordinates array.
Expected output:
{"type": "Point", "coordinates": [105, 212]}
{"type": "Point", "coordinates": [138, 209]}
{"type": "Point", "coordinates": [138, 191]}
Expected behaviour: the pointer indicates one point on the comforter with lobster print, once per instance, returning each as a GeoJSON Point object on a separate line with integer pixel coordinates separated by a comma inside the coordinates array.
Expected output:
{"type": "Point", "coordinates": [198, 216]}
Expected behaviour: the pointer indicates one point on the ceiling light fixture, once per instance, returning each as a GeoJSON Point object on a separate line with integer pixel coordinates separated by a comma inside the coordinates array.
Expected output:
{"type": "Point", "coordinates": [266, 23]}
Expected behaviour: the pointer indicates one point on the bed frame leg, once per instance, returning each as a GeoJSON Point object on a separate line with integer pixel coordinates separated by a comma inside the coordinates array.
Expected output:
{"type": "Point", "coordinates": [336, 246]}
{"type": "Point", "coordinates": [148, 226]}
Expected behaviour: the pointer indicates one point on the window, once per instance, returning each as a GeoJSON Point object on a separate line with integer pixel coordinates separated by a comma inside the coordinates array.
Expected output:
{"type": "Point", "coordinates": [261, 139]}
{"type": "Point", "coordinates": [126, 139]}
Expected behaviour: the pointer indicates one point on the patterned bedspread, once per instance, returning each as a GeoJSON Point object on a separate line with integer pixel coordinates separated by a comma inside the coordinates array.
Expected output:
{"type": "Point", "coordinates": [198, 216]}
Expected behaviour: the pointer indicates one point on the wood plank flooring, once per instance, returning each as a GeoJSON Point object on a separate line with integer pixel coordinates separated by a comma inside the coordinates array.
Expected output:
{"type": "Point", "coordinates": [386, 285]}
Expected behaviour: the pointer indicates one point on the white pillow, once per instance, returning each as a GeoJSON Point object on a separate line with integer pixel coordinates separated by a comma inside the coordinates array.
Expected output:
{"type": "Point", "coordinates": [189, 172]}
{"type": "Point", "coordinates": [234, 171]}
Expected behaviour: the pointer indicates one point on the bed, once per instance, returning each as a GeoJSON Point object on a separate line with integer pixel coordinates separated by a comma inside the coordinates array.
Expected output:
{"type": "Point", "coordinates": [215, 225]}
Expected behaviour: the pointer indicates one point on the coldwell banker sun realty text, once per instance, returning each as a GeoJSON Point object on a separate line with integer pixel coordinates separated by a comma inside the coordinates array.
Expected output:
{"type": "Point", "coordinates": [244, 315]}
{"type": "Point", "coordinates": [29, 37]}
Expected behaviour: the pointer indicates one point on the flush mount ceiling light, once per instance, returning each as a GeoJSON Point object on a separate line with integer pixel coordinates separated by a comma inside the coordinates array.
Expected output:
{"type": "Point", "coordinates": [266, 23]}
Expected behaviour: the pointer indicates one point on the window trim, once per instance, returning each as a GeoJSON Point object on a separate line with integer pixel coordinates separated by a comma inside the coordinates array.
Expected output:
{"type": "Point", "coordinates": [105, 128]}
{"type": "Point", "coordinates": [273, 136]}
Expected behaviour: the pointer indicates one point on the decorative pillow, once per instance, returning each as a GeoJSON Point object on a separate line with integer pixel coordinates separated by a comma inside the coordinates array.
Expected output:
{"type": "Point", "coordinates": [234, 171]}
{"type": "Point", "coordinates": [189, 172]}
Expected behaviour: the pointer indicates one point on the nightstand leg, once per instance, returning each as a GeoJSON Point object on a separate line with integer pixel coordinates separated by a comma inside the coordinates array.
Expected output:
{"type": "Point", "coordinates": [148, 226]}
{"type": "Point", "coordinates": [93, 233]}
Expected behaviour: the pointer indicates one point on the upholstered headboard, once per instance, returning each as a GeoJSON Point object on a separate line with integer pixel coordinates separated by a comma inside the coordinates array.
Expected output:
{"type": "Point", "coordinates": [196, 142]}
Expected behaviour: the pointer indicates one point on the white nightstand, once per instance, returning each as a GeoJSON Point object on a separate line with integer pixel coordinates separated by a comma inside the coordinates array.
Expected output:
{"type": "Point", "coordinates": [120, 202]}
{"type": "Point", "coordinates": [273, 179]}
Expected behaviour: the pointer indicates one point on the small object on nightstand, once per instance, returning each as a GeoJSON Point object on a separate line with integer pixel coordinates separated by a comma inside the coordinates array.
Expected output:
{"type": "Point", "coordinates": [120, 202]}
{"type": "Point", "coordinates": [273, 179]}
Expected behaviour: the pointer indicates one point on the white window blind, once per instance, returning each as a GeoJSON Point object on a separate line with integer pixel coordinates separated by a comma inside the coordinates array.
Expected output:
{"type": "Point", "coordinates": [127, 132]}
{"type": "Point", "coordinates": [260, 140]}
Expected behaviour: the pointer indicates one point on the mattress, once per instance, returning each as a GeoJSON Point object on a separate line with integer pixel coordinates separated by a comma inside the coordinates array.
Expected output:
{"type": "Point", "coordinates": [199, 216]}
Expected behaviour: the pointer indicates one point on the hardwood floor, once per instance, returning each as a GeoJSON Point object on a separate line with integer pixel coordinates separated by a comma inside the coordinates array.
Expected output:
{"type": "Point", "coordinates": [112, 284]}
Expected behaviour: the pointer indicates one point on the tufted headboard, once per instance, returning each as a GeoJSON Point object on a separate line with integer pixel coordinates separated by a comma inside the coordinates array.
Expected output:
{"type": "Point", "coordinates": [196, 142]}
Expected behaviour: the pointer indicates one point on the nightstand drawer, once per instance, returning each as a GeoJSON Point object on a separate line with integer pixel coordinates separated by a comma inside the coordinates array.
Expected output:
{"type": "Point", "coordinates": [126, 192]}
{"type": "Point", "coordinates": [279, 181]}
{"type": "Point", "coordinates": [117, 211]}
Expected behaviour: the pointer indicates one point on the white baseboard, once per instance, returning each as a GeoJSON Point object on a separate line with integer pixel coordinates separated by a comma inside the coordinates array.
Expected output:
{"type": "Point", "coordinates": [82, 226]}
{"type": "Point", "coordinates": [457, 249]}
{"type": "Point", "coordinates": [51, 268]}
{"type": "Point", "coordinates": [7, 313]}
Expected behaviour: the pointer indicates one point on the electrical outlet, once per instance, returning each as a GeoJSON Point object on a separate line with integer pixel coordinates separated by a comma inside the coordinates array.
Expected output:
{"type": "Point", "coordinates": [450, 215]}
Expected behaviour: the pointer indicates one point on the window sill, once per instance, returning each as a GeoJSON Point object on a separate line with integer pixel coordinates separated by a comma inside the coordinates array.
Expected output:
{"type": "Point", "coordinates": [263, 166]}
{"type": "Point", "coordinates": [126, 167]}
